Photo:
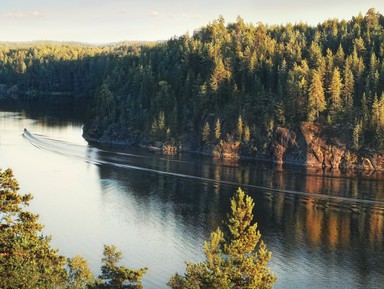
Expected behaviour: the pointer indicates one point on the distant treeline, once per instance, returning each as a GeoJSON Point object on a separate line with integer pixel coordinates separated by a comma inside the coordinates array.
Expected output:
{"type": "Point", "coordinates": [233, 81]}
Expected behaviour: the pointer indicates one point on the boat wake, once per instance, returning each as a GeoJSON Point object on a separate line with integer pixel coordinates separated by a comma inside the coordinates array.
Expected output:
{"type": "Point", "coordinates": [156, 164]}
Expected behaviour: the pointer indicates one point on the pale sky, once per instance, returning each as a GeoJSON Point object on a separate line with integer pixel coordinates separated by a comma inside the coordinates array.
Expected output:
{"type": "Point", "coordinates": [105, 21]}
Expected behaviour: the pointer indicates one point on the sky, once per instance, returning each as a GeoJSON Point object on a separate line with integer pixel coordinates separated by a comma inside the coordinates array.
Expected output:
{"type": "Point", "coordinates": [108, 21]}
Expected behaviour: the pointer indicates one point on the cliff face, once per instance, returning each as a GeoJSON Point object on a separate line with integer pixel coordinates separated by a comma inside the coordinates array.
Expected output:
{"type": "Point", "coordinates": [313, 146]}
{"type": "Point", "coordinates": [308, 145]}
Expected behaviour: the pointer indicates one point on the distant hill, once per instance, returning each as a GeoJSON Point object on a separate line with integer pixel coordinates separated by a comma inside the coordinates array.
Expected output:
{"type": "Point", "coordinates": [226, 87]}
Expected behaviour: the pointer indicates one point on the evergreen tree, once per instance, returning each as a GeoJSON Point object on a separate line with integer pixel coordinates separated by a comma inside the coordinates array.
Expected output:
{"type": "Point", "coordinates": [237, 259]}
{"type": "Point", "coordinates": [357, 135]}
{"type": "Point", "coordinates": [329, 60]}
{"type": "Point", "coordinates": [206, 132]}
{"type": "Point", "coordinates": [339, 57]}
{"type": "Point", "coordinates": [365, 110]}
{"type": "Point", "coordinates": [79, 274]}
{"type": "Point", "coordinates": [316, 99]}
{"type": "Point", "coordinates": [27, 260]}
{"type": "Point", "coordinates": [26, 257]}
{"type": "Point", "coordinates": [375, 113]}
{"type": "Point", "coordinates": [117, 277]}
{"type": "Point", "coordinates": [217, 129]}
{"type": "Point", "coordinates": [349, 89]}
{"type": "Point", "coordinates": [247, 134]}
{"type": "Point", "coordinates": [239, 129]}
{"type": "Point", "coordinates": [268, 73]}
{"type": "Point", "coordinates": [335, 89]}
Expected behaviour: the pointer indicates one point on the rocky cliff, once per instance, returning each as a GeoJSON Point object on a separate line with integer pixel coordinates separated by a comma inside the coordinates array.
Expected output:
{"type": "Point", "coordinates": [314, 146]}
{"type": "Point", "coordinates": [308, 145]}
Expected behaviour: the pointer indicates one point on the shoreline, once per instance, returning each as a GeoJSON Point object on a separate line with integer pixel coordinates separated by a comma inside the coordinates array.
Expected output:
{"type": "Point", "coordinates": [289, 161]}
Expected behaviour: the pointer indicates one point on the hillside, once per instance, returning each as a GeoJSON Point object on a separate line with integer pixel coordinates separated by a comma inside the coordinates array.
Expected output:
{"type": "Point", "coordinates": [228, 90]}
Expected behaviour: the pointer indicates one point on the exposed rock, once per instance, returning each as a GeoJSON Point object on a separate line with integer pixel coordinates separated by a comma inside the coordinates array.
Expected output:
{"type": "Point", "coordinates": [311, 145]}
{"type": "Point", "coordinates": [169, 149]}
{"type": "Point", "coordinates": [228, 149]}
{"type": "Point", "coordinates": [308, 145]}
{"type": "Point", "coordinates": [284, 140]}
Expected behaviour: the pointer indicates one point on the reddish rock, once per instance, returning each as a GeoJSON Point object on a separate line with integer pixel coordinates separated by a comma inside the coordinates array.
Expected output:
{"type": "Point", "coordinates": [311, 145]}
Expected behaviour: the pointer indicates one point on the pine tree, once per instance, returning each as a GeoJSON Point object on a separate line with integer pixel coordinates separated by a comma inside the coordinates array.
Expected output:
{"type": "Point", "coordinates": [365, 110]}
{"type": "Point", "coordinates": [316, 99]}
{"type": "Point", "coordinates": [329, 68]}
{"type": "Point", "coordinates": [334, 90]}
{"type": "Point", "coordinates": [315, 57]}
{"type": "Point", "coordinates": [158, 130]}
{"type": "Point", "coordinates": [237, 259]}
{"type": "Point", "coordinates": [239, 131]}
{"type": "Point", "coordinates": [206, 132]}
{"type": "Point", "coordinates": [349, 88]}
{"type": "Point", "coordinates": [117, 277]}
{"type": "Point", "coordinates": [217, 129]}
{"type": "Point", "coordinates": [26, 257]}
{"type": "Point", "coordinates": [375, 113]}
{"type": "Point", "coordinates": [339, 57]}
{"type": "Point", "coordinates": [381, 113]}
{"type": "Point", "coordinates": [79, 274]}
{"type": "Point", "coordinates": [357, 135]}
{"type": "Point", "coordinates": [247, 134]}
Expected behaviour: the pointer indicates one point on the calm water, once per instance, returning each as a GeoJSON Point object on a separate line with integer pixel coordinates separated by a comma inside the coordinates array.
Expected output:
{"type": "Point", "coordinates": [325, 229]}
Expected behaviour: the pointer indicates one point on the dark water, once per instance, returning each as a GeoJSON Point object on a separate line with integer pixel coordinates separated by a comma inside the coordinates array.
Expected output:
{"type": "Point", "coordinates": [325, 229]}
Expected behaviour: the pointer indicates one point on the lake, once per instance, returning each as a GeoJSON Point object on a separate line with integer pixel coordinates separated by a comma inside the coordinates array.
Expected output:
{"type": "Point", "coordinates": [325, 228]}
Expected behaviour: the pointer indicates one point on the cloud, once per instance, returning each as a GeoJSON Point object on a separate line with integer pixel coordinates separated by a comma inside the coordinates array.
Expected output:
{"type": "Point", "coordinates": [24, 14]}
{"type": "Point", "coordinates": [154, 13]}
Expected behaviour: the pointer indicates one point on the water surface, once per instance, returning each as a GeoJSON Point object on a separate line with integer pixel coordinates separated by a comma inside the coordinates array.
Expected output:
{"type": "Point", "coordinates": [325, 229]}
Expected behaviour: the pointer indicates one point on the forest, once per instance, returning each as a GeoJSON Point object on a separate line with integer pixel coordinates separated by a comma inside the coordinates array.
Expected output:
{"type": "Point", "coordinates": [235, 257]}
{"type": "Point", "coordinates": [225, 84]}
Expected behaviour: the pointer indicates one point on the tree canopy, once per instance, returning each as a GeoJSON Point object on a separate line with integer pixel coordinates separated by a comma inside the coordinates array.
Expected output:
{"type": "Point", "coordinates": [28, 261]}
{"type": "Point", "coordinates": [235, 257]}
{"type": "Point", "coordinates": [26, 258]}
{"type": "Point", "coordinates": [265, 75]}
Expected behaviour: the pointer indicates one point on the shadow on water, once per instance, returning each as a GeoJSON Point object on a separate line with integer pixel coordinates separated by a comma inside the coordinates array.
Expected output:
{"type": "Point", "coordinates": [325, 223]}
{"type": "Point", "coordinates": [323, 227]}
{"type": "Point", "coordinates": [49, 109]}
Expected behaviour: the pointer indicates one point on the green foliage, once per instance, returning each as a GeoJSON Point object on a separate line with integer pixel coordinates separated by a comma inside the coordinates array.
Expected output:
{"type": "Point", "coordinates": [206, 132]}
{"type": "Point", "coordinates": [357, 135]}
{"type": "Point", "coordinates": [316, 98]}
{"type": "Point", "coordinates": [115, 276]}
{"type": "Point", "coordinates": [290, 73]}
{"type": "Point", "coordinates": [247, 134]}
{"type": "Point", "coordinates": [26, 258]}
{"type": "Point", "coordinates": [217, 129]}
{"type": "Point", "coordinates": [237, 259]}
{"type": "Point", "coordinates": [158, 129]}
{"type": "Point", "coordinates": [349, 89]}
{"type": "Point", "coordinates": [79, 274]}
{"type": "Point", "coordinates": [335, 89]}
{"type": "Point", "coordinates": [239, 130]}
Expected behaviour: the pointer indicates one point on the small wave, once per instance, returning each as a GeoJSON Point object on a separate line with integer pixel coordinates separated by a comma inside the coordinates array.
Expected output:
{"type": "Point", "coordinates": [103, 157]}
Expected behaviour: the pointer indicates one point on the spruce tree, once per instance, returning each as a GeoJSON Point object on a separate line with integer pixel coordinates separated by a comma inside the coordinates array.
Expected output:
{"type": "Point", "coordinates": [235, 259]}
